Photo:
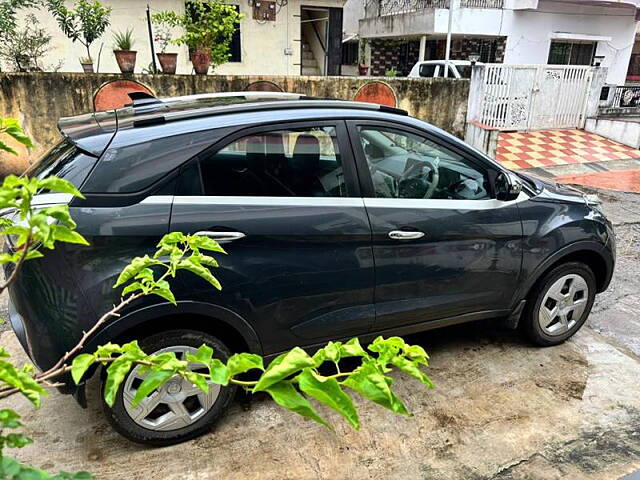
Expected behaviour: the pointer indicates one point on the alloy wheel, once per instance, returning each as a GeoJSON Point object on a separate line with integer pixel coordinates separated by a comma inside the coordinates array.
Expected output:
{"type": "Point", "coordinates": [176, 404]}
{"type": "Point", "coordinates": [563, 304]}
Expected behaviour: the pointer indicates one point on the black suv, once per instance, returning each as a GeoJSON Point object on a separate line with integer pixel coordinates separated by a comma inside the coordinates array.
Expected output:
{"type": "Point", "coordinates": [341, 219]}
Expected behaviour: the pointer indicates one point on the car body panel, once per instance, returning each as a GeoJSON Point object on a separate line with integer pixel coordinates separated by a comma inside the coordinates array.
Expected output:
{"type": "Point", "coordinates": [306, 270]}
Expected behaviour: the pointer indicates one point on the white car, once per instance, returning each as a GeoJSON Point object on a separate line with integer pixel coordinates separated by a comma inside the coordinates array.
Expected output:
{"type": "Point", "coordinates": [435, 68]}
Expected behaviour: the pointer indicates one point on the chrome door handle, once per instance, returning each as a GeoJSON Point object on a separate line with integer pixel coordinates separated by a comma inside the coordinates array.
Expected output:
{"type": "Point", "coordinates": [222, 237]}
{"type": "Point", "coordinates": [405, 235]}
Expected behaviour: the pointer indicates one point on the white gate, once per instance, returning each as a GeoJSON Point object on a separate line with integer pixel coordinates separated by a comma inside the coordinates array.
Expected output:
{"type": "Point", "coordinates": [530, 97]}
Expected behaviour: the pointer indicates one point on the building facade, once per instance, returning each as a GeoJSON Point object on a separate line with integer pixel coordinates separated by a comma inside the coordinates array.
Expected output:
{"type": "Point", "coordinates": [298, 37]}
{"type": "Point", "coordinates": [570, 32]}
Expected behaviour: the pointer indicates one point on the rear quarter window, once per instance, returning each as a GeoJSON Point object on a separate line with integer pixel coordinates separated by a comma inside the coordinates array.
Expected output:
{"type": "Point", "coordinates": [132, 167]}
{"type": "Point", "coordinates": [64, 161]}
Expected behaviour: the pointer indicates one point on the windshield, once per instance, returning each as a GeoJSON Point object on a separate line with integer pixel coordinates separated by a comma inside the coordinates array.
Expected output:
{"type": "Point", "coordinates": [64, 161]}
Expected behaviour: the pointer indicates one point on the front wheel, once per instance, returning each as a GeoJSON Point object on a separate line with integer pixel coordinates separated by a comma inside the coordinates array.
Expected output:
{"type": "Point", "coordinates": [559, 304]}
{"type": "Point", "coordinates": [178, 410]}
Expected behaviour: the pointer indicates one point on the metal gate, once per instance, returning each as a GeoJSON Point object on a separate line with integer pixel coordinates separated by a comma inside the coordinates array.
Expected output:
{"type": "Point", "coordinates": [530, 97]}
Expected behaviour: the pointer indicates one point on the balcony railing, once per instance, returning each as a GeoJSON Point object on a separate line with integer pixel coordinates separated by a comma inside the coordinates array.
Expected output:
{"type": "Point", "coordinates": [626, 97]}
{"type": "Point", "coordinates": [381, 8]}
{"type": "Point", "coordinates": [481, 3]}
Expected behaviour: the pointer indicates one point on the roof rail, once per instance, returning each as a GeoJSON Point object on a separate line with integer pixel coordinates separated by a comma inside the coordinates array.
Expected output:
{"type": "Point", "coordinates": [235, 102]}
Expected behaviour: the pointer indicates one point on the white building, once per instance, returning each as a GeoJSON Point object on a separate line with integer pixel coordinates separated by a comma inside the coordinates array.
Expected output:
{"type": "Point", "coordinates": [400, 32]}
{"type": "Point", "coordinates": [303, 37]}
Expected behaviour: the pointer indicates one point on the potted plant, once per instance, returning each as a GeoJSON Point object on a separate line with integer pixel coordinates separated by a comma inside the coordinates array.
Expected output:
{"type": "Point", "coordinates": [125, 56]}
{"type": "Point", "coordinates": [87, 64]}
{"type": "Point", "coordinates": [168, 61]}
{"type": "Point", "coordinates": [363, 68]}
{"type": "Point", "coordinates": [84, 23]}
{"type": "Point", "coordinates": [208, 27]}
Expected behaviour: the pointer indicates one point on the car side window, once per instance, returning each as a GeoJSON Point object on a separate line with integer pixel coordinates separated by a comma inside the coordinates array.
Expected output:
{"type": "Point", "coordinates": [427, 70]}
{"type": "Point", "coordinates": [299, 162]}
{"type": "Point", "coordinates": [404, 165]}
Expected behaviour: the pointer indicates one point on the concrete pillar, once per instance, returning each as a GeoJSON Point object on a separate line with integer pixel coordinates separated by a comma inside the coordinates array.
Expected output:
{"type": "Point", "coordinates": [423, 48]}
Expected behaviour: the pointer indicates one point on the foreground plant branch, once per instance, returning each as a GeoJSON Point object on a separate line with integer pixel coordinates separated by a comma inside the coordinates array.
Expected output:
{"type": "Point", "coordinates": [292, 379]}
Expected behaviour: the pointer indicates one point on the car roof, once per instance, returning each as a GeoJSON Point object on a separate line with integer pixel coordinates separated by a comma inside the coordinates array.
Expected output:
{"type": "Point", "coordinates": [442, 62]}
{"type": "Point", "coordinates": [92, 132]}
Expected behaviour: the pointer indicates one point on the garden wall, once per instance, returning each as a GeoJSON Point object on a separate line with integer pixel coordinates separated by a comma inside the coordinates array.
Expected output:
{"type": "Point", "coordinates": [38, 100]}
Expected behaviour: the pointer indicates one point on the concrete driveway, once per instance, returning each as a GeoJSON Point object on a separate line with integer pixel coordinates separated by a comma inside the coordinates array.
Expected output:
{"type": "Point", "coordinates": [501, 409]}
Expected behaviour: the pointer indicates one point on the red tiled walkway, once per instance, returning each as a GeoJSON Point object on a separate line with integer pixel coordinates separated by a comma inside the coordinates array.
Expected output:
{"type": "Point", "coordinates": [621, 180]}
{"type": "Point", "coordinates": [549, 148]}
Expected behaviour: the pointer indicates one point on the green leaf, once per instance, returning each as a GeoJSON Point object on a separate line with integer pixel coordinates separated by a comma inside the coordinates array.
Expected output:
{"type": "Point", "coordinates": [243, 362]}
{"type": "Point", "coordinates": [62, 233]}
{"type": "Point", "coordinates": [150, 383]}
{"type": "Point", "coordinates": [198, 380]}
{"type": "Point", "coordinates": [172, 239]}
{"type": "Point", "coordinates": [59, 185]}
{"type": "Point", "coordinates": [285, 395]}
{"type": "Point", "coordinates": [7, 148]}
{"type": "Point", "coordinates": [136, 265]}
{"type": "Point", "coordinates": [116, 373]}
{"type": "Point", "coordinates": [80, 365]}
{"type": "Point", "coordinates": [202, 272]}
{"type": "Point", "coordinates": [283, 366]}
{"type": "Point", "coordinates": [352, 349]}
{"type": "Point", "coordinates": [17, 440]}
{"type": "Point", "coordinates": [411, 368]}
{"type": "Point", "coordinates": [205, 243]}
{"type": "Point", "coordinates": [203, 355]}
{"type": "Point", "coordinates": [328, 392]}
{"type": "Point", "coordinates": [372, 384]}
{"type": "Point", "coordinates": [132, 287]}
{"type": "Point", "coordinates": [163, 290]}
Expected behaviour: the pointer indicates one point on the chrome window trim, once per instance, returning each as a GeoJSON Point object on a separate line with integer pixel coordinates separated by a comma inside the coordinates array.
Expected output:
{"type": "Point", "coordinates": [51, 199]}
{"type": "Point", "coordinates": [271, 201]}
{"type": "Point", "coordinates": [490, 204]}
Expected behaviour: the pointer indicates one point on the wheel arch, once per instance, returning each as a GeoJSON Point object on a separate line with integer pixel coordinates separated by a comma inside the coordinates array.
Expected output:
{"type": "Point", "coordinates": [221, 322]}
{"type": "Point", "coordinates": [592, 254]}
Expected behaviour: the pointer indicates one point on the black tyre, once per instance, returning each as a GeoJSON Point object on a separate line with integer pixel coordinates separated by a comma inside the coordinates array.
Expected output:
{"type": "Point", "coordinates": [177, 411]}
{"type": "Point", "coordinates": [559, 304]}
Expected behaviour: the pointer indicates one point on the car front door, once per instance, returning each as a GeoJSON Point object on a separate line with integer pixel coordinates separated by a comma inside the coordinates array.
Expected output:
{"type": "Point", "coordinates": [444, 248]}
{"type": "Point", "coordinates": [299, 267]}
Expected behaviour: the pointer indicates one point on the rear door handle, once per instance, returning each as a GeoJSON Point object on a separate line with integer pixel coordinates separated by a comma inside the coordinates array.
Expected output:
{"type": "Point", "coordinates": [222, 237]}
{"type": "Point", "coordinates": [405, 235]}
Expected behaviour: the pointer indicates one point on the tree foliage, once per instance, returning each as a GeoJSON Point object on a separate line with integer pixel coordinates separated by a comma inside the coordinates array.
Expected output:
{"type": "Point", "coordinates": [26, 47]}
{"type": "Point", "coordinates": [207, 25]}
{"type": "Point", "coordinates": [8, 15]}
{"type": "Point", "coordinates": [84, 23]}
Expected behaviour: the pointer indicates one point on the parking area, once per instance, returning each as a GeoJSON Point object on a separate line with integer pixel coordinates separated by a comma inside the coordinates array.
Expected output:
{"type": "Point", "coordinates": [501, 409]}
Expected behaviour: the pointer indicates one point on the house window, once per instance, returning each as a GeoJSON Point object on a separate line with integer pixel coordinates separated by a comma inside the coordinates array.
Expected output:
{"type": "Point", "coordinates": [349, 53]}
{"type": "Point", "coordinates": [235, 49]}
{"type": "Point", "coordinates": [571, 53]}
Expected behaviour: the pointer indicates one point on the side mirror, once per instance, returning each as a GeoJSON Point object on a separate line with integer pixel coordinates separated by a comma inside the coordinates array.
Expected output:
{"type": "Point", "coordinates": [507, 186]}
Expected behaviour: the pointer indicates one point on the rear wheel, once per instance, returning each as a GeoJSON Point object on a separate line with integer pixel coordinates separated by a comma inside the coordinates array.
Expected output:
{"type": "Point", "coordinates": [178, 410]}
{"type": "Point", "coordinates": [559, 304]}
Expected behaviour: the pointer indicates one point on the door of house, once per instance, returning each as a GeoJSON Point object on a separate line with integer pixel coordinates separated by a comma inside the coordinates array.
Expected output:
{"type": "Point", "coordinates": [530, 97]}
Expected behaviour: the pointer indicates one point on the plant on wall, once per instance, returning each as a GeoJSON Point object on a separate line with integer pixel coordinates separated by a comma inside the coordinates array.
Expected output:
{"type": "Point", "coordinates": [26, 47]}
{"type": "Point", "coordinates": [168, 61]}
{"type": "Point", "coordinates": [208, 27]}
{"type": "Point", "coordinates": [8, 15]}
{"type": "Point", "coordinates": [123, 50]}
{"type": "Point", "coordinates": [84, 23]}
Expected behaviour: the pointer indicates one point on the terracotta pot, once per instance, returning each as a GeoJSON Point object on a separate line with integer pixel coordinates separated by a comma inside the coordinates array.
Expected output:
{"type": "Point", "coordinates": [87, 67]}
{"type": "Point", "coordinates": [363, 69]}
{"type": "Point", "coordinates": [126, 60]}
{"type": "Point", "coordinates": [168, 62]}
{"type": "Point", "coordinates": [201, 62]}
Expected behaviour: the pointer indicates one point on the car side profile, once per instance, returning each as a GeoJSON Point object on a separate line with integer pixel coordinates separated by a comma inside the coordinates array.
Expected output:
{"type": "Point", "coordinates": [340, 219]}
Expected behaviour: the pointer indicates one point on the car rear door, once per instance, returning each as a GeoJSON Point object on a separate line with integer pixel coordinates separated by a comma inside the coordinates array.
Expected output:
{"type": "Point", "coordinates": [444, 249]}
{"type": "Point", "coordinates": [285, 201]}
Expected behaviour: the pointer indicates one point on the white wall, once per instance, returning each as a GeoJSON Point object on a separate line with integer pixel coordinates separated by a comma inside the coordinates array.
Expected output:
{"type": "Point", "coordinates": [529, 31]}
{"type": "Point", "coordinates": [263, 45]}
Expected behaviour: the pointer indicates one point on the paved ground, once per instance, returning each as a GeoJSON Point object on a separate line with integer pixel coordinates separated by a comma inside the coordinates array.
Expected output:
{"type": "Point", "coordinates": [572, 156]}
{"type": "Point", "coordinates": [501, 409]}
